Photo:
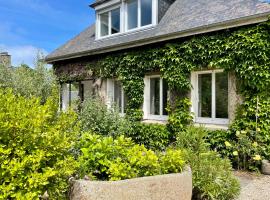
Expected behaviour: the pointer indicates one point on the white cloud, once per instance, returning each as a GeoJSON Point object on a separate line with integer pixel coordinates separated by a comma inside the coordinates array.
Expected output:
{"type": "Point", "coordinates": [25, 54]}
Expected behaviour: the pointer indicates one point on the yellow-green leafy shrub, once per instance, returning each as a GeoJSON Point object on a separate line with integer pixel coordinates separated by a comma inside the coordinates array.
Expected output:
{"type": "Point", "coordinates": [35, 144]}
{"type": "Point", "coordinates": [105, 158]}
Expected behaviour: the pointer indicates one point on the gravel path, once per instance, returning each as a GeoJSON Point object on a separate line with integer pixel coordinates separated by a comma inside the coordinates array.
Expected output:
{"type": "Point", "coordinates": [253, 186]}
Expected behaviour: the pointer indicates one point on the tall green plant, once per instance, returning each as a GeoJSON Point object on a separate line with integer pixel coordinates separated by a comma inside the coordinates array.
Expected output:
{"type": "Point", "coordinates": [212, 175]}
{"type": "Point", "coordinates": [35, 147]}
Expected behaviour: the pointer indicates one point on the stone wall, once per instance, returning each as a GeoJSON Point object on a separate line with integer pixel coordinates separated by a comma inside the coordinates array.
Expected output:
{"type": "Point", "coordinates": [164, 187]}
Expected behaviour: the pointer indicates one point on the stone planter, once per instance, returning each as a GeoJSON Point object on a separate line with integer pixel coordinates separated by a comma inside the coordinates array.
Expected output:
{"type": "Point", "coordinates": [266, 167]}
{"type": "Point", "coordinates": [163, 187]}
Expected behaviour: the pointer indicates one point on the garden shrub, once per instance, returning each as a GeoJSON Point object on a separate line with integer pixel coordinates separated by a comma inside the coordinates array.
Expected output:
{"type": "Point", "coordinates": [247, 141]}
{"type": "Point", "coordinates": [212, 175]}
{"type": "Point", "coordinates": [243, 148]}
{"type": "Point", "coordinates": [35, 145]}
{"type": "Point", "coordinates": [105, 158]}
{"type": "Point", "coordinates": [152, 136]}
{"type": "Point", "coordinates": [96, 117]}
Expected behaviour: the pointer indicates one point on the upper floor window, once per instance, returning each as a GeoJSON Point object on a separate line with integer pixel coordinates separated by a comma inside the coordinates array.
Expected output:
{"type": "Point", "coordinates": [109, 22]}
{"type": "Point", "coordinates": [125, 16]}
{"type": "Point", "coordinates": [139, 13]}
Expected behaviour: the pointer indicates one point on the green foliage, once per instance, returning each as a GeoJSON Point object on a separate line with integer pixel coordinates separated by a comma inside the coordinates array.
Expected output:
{"type": "Point", "coordinates": [105, 158]}
{"type": "Point", "coordinates": [152, 136]}
{"type": "Point", "coordinates": [35, 144]}
{"type": "Point", "coordinates": [244, 51]}
{"type": "Point", "coordinates": [38, 82]}
{"type": "Point", "coordinates": [212, 175]}
{"type": "Point", "coordinates": [243, 148]}
{"type": "Point", "coordinates": [248, 140]}
{"type": "Point", "coordinates": [96, 117]}
{"type": "Point", "coordinates": [180, 117]}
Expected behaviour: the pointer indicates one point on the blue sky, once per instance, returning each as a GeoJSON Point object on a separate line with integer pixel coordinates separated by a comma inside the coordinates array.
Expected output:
{"type": "Point", "coordinates": [29, 26]}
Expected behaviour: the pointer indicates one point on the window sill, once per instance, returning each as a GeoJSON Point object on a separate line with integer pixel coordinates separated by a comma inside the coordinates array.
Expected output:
{"type": "Point", "coordinates": [129, 32]}
{"type": "Point", "coordinates": [151, 121]}
{"type": "Point", "coordinates": [212, 126]}
{"type": "Point", "coordinates": [207, 126]}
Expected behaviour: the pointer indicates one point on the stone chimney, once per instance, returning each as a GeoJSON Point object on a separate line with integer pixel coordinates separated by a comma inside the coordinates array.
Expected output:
{"type": "Point", "coordinates": [5, 59]}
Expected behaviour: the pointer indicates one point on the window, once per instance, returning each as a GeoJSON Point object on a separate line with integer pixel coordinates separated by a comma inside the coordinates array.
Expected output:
{"type": "Point", "coordinates": [156, 98]}
{"type": "Point", "coordinates": [122, 16]}
{"type": "Point", "coordinates": [109, 22]}
{"type": "Point", "coordinates": [116, 95]}
{"type": "Point", "coordinates": [70, 95]}
{"type": "Point", "coordinates": [146, 12]}
{"type": "Point", "coordinates": [139, 13]}
{"type": "Point", "coordinates": [210, 97]}
{"type": "Point", "coordinates": [132, 10]}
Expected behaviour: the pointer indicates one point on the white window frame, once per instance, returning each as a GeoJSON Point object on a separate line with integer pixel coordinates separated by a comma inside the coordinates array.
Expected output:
{"type": "Point", "coordinates": [123, 17]}
{"type": "Point", "coordinates": [109, 11]}
{"type": "Point", "coordinates": [154, 16]}
{"type": "Point", "coordinates": [147, 103]}
{"type": "Point", "coordinates": [111, 95]}
{"type": "Point", "coordinates": [195, 99]}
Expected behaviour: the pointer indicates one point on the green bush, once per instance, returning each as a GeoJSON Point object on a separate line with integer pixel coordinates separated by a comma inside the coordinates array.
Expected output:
{"type": "Point", "coordinates": [96, 117]}
{"type": "Point", "coordinates": [247, 141]}
{"type": "Point", "coordinates": [243, 148]}
{"type": "Point", "coordinates": [105, 158]}
{"type": "Point", "coordinates": [152, 136]}
{"type": "Point", "coordinates": [212, 175]}
{"type": "Point", "coordinates": [35, 145]}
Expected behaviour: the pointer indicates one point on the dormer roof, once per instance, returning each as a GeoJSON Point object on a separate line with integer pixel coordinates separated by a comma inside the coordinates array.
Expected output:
{"type": "Point", "coordinates": [183, 18]}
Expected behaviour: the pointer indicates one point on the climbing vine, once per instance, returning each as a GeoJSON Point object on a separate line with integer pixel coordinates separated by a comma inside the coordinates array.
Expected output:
{"type": "Point", "coordinates": [244, 50]}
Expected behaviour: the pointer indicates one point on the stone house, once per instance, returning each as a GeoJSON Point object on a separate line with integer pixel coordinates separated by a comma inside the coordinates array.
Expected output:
{"type": "Point", "coordinates": [135, 24]}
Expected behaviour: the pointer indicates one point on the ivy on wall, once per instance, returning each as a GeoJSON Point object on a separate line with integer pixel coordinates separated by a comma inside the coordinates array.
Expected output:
{"type": "Point", "coordinates": [245, 50]}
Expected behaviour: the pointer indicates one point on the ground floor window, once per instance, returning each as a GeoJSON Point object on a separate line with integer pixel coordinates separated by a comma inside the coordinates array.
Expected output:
{"type": "Point", "coordinates": [70, 95]}
{"type": "Point", "coordinates": [116, 95]}
{"type": "Point", "coordinates": [210, 96]}
{"type": "Point", "coordinates": [155, 98]}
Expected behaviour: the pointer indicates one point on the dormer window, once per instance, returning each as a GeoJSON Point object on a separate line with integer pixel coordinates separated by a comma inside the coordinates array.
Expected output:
{"type": "Point", "coordinates": [109, 22]}
{"type": "Point", "coordinates": [124, 16]}
{"type": "Point", "coordinates": [139, 13]}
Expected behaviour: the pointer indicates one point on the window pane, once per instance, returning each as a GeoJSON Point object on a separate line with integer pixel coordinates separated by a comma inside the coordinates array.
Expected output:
{"type": "Point", "coordinates": [154, 96]}
{"type": "Point", "coordinates": [115, 15]}
{"type": "Point", "coordinates": [146, 12]}
{"type": "Point", "coordinates": [117, 95]}
{"type": "Point", "coordinates": [165, 97]}
{"type": "Point", "coordinates": [205, 95]}
{"type": "Point", "coordinates": [104, 24]}
{"type": "Point", "coordinates": [222, 95]}
{"type": "Point", "coordinates": [74, 95]}
{"type": "Point", "coordinates": [132, 12]}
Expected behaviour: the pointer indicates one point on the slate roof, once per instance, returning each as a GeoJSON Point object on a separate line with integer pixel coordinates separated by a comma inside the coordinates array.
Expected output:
{"type": "Point", "coordinates": [182, 16]}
